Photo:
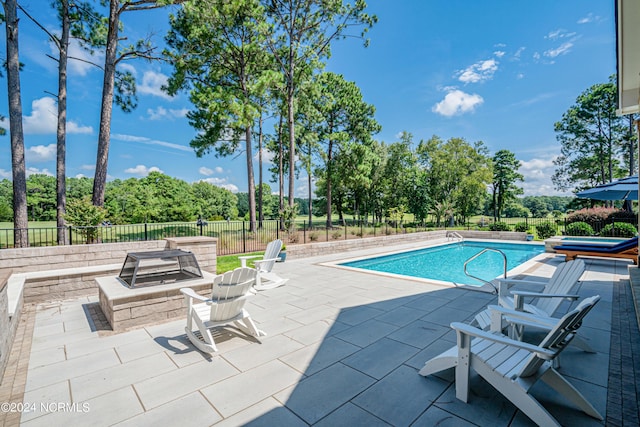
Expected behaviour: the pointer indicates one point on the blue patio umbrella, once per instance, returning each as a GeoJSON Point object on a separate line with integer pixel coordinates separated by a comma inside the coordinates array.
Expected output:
{"type": "Point", "coordinates": [622, 189]}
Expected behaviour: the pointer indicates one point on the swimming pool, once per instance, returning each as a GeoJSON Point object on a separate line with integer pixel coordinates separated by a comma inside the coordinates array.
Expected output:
{"type": "Point", "coordinates": [446, 262]}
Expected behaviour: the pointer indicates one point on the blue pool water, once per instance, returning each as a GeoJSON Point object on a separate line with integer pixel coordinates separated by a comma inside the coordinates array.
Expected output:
{"type": "Point", "coordinates": [446, 263]}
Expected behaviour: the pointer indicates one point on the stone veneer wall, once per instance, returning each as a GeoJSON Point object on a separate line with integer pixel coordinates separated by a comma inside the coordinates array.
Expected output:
{"type": "Point", "coordinates": [62, 272]}
{"type": "Point", "coordinates": [8, 324]}
{"type": "Point", "coordinates": [23, 260]}
{"type": "Point", "coordinates": [336, 246]}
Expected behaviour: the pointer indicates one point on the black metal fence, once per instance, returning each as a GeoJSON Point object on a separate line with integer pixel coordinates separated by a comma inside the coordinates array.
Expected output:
{"type": "Point", "coordinates": [239, 237]}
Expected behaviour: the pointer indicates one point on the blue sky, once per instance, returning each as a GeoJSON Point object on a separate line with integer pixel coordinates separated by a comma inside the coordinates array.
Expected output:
{"type": "Point", "coordinates": [501, 72]}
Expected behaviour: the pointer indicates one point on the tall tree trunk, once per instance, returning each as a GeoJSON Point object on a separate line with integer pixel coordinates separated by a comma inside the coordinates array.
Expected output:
{"type": "Point", "coordinates": [329, 172]}
{"type": "Point", "coordinates": [251, 181]}
{"type": "Point", "coordinates": [280, 173]}
{"type": "Point", "coordinates": [310, 183]}
{"type": "Point", "coordinates": [260, 198]}
{"type": "Point", "coordinates": [292, 150]}
{"type": "Point", "coordinates": [104, 135]}
{"type": "Point", "coordinates": [61, 187]}
{"type": "Point", "coordinates": [291, 123]}
{"type": "Point", "coordinates": [20, 219]}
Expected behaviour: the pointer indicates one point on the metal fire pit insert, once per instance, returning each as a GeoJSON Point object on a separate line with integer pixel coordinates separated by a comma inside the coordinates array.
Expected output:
{"type": "Point", "coordinates": [159, 267]}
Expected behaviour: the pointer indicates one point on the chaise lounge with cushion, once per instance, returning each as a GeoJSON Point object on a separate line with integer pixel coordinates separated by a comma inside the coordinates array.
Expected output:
{"type": "Point", "coordinates": [627, 250]}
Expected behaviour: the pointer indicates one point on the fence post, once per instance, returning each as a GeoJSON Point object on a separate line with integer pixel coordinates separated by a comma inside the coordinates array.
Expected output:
{"type": "Point", "coordinates": [146, 237]}
{"type": "Point", "coordinates": [244, 239]}
{"type": "Point", "coordinates": [304, 231]}
{"type": "Point", "coordinates": [70, 235]}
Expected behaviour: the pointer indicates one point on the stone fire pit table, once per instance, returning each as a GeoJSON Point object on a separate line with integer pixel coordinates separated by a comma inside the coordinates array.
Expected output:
{"type": "Point", "coordinates": [127, 308]}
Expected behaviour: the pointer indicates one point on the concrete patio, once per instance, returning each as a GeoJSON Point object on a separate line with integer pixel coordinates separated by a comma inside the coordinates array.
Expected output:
{"type": "Point", "coordinates": [343, 348]}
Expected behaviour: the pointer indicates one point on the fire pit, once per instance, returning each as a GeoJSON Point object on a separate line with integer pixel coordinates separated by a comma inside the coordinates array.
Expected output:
{"type": "Point", "coordinates": [148, 288]}
{"type": "Point", "coordinates": [159, 267]}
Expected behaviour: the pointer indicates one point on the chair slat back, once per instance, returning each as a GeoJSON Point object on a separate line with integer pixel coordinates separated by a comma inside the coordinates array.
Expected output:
{"type": "Point", "coordinates": [564, 279]}
{"type": "Point", "coordinates": [233, 283]}
{"type": "Point", "coordinates": [271, 253]}
{"type": "Point", "coordinates": [558, 338]}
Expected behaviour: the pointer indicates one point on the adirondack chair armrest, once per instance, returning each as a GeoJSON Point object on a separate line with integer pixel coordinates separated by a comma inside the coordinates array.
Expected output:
{"type": "Point", "coordinates": [512, 282]}
{"type": "Point", "coordinates": [243, 259]}
{"type": "Point", "coordinates": [192, 294]}
{"type": "Point", "coordinates": [518, 297]}
{"type": "Point", "coordinates": [543, 295]}
{"type": "Point", "coordinates": [464, 329]}
{"type": "Point", "coordinates": [522, 317]}
{"type": "Point", "coordinates": [257, 263]}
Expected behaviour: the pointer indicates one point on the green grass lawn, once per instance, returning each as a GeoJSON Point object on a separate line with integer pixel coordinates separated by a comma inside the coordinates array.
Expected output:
{"type": "Point", "coordinates": [226, 263]}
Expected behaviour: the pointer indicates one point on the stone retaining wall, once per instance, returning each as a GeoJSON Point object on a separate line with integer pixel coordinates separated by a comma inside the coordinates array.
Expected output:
{"type": "Point", "coordinates": [8, 324]}
{"type": "Point", "coordinates": [336, 246]}
{"type": "Point", "coordinates": [63, 272]}
{"type": "Point", "coordinates": [23, 260]}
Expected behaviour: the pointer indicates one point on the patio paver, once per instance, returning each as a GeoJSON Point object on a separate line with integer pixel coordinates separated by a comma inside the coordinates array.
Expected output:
{"type": "Point", "coordinates": [343, 348]}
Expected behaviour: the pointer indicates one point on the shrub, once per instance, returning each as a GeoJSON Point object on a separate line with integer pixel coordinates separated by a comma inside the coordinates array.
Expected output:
{"type": "Point", "coordinates": [499, 226]}
{"type": "Point", "coordinates": [336, 234]}
{"type": "Point", "coordinates": [591, 215]}
{"type": "Point", "coordinates": [313, 236]}
{"type": "Point", "coordinates": [619, 229]}
{"type": "Point", "coordinates": [624, 216]}
{"type": "Point", "coordinates": [83, 214]}
{"type": "Point", "coordinates": [521, 227]}
{"type": "Point", "coordinates": [546, 230]}
{"type": "Point", "coordinates": [579, 229]}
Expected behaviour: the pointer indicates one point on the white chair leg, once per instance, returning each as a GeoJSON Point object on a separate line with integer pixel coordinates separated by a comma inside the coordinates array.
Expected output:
{"type": "Point", "coordinates": [463, 367]}
{"type": "Point", "coordinates": [444, 361]}
{"type": "Point", "coordinates": [582, 344]}
{"type": "Point", "coordinates": [247, 326]}
{"type": "Point", "coordinates": [564, 387]}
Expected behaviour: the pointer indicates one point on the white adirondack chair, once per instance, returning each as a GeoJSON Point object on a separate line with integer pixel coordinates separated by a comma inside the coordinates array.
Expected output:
{"type": "Point", "coordinates": [558, 288]}
{"type": "Point", "coordinates": [512, 366]}
{"type": "Point", "coordinates": [265, 266]}
{"type": "Point", "coordinates": [226, 306]}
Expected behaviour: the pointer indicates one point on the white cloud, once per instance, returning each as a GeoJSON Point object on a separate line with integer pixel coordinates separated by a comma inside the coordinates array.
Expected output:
{"type": "Point", "coordinates": [518, 53]}
{"type": "Point", "coordinates": [222, 183]}
{"type": "Point", "coordinates": [149, 141]}
{"type": "Point", "coordinates": [205, 171]}
{"type": "Point", "coordinates": [589, 18]}
{"type": "Point", "coordinates": [152, 83]}
{"type": "Point", "coordinates": [128, 68]}
{"type": "Point", "coordinates": [142, 170]}
{"type": "Point", "coordinates": [5, 174]}
{"type": "Point", "coordinates": [537, 174]}
{"type": "Point", "coordinates": [481, 70]}
{"type": "Point", "coordinates": [457, 102]}
{"type": "Point", "coordinates": [499, 53]}
{"type": "Point", "coordinates": [563, 49]}
{"type": "Point", "coordinates": [88, 167]}
{"type": "Point", "coordinates": [520, 76]}
{"type": "Point", "coordinates": [267, 156]}
{"type": "Point", "coordinates": [536, 56]}
{"type": "Point", "coordinates": [40, 153]}
{"type": "Point", "coordinates": [44, 118]}
{"type": "Point", "coordinates": [81, 61]}
{"type": "Point", "coordinates": [35, 171]}
{"type": "Point", "coordinates": [161, 113]}
{"type": "Point", "coordinates": [559, 34]}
